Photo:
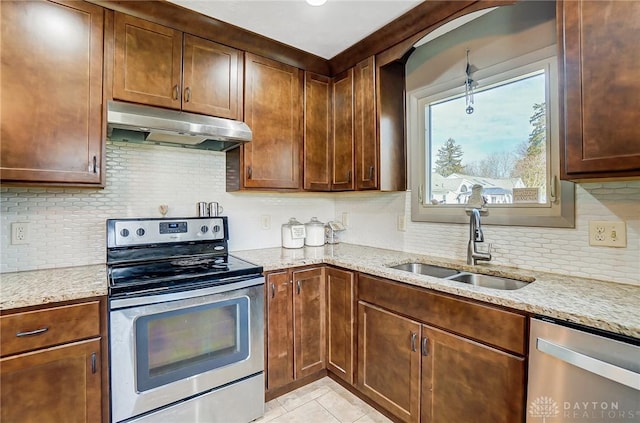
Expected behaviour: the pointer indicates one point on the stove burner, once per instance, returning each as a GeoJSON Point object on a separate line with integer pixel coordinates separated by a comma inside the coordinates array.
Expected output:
{"type": "Point", "coordinates": [190, 262]}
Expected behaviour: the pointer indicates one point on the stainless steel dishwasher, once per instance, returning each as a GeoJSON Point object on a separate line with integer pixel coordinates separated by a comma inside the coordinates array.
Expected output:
{"type": "Point", "coordinates": [581, 375]}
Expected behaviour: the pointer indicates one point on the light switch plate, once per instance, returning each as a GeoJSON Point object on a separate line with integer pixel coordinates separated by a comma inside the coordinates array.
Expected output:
{"type": "Point", "coordinates": [606, 233]}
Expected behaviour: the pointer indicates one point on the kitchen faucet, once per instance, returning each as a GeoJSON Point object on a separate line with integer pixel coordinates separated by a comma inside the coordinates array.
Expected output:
{"type": "Point", "coordinates": [476, 235]}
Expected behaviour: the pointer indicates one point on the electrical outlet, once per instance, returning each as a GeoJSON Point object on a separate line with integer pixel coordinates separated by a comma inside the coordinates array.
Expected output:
{"type": "Point", "coordinates": [265, 222]}
{"type": "Point", "coordinates": [402, 223]}
{"type": "Point", "coordinates": [345, 219]}
{"type": "Point", "coordinates": [19, 233]}
{"type": "Point", "coordinates": [606, 233]}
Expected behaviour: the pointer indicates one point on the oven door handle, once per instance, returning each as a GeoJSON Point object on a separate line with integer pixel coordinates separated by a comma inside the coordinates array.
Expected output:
{"type": "Point", "coordinates": [590, 364]}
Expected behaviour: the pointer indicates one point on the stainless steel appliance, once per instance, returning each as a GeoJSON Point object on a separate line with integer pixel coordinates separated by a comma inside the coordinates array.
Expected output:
{"type": "Point", "coordinates": [577, 374]}
{"type": "Point", "coordinates": [186, 323]}
{"type": "Point", "coordinates": [153, 125]}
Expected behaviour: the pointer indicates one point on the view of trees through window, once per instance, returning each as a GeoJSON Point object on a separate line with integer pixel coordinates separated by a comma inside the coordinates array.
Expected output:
{"type": "Point", "coordinates": [502, 145]}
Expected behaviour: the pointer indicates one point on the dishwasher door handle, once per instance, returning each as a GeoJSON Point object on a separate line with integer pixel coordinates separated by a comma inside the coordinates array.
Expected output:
{"type": "Point", "coordinates": [590, 364]}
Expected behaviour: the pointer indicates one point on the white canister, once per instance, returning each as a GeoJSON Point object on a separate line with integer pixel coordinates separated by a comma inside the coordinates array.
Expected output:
{"type": "Point", "coordinates": [315, 233]}
{"type": "Point", "coordinates": [293, 233]}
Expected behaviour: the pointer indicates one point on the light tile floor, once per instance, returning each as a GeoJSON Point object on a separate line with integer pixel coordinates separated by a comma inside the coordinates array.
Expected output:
{"type": "Point", "coordinates": [323, 401]}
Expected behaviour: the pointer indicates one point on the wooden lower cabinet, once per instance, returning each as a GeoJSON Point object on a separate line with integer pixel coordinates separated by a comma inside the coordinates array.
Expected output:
{"type": "Point", "coordinates": [389, 360]}
{"type": "Point", "coordinates": [59, 384]}
{"type": "Point", "coordinates": [279, 340]}
{"type": "Point", "coordinates": [308, 321]}
{"type": "Point", "coordinates": [52, 362]}
{"type": "Point", "coordinates": [464, 381]}
{"type": "Point", "coordinates": [295, 337]}
{"type": "Point", "coordinates": [423, 373]}
{"type": "Point", "coordinates": [341, 309]}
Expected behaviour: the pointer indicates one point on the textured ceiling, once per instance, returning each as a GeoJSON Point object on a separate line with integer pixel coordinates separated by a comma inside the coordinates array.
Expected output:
{"type": "Point", "coordinates": [322, 30]}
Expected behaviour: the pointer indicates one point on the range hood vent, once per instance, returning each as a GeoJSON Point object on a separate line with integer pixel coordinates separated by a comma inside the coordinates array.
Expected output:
{"type": "Point", "coordinates": [153, 125]}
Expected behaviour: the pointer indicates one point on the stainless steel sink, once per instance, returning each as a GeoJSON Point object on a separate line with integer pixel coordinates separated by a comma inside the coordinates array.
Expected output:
{"type": "Point", "coordinates": [487, 281]}
{"type": "Point", "coordinates": [427, 269]}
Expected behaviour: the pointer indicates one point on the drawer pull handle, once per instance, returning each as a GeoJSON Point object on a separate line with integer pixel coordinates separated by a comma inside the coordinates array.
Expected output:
{"type": "Point", "coordinates": [273, 290]}
{"type": "Point", "coordinates": [425, 346]}
{"type": "Point", "coordinates": [32, 332]}
{"type": "Point", "coordinates": [299, 286]}
{"type": "Point", "coordinates": [414, 337]}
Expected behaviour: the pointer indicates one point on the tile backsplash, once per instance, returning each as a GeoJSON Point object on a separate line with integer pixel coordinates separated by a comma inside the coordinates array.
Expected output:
{"type": "Point", "coordinates": [67, 225]}
{"type": "Point", "coordinates": [556, 250]}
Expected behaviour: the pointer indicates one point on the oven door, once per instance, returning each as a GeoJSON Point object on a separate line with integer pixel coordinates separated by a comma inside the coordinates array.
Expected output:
{"type": "Point", "coordinates": [167, 348]}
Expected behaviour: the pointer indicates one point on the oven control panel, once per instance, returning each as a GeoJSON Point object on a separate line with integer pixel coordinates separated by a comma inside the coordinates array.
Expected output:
{"type": "Point", "coordinates": [132, 232]}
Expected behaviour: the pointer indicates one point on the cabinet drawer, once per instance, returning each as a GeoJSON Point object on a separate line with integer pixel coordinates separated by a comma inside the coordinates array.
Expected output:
{"type": "Point", "coordinates": [42, 328]}
{"type": "Point", "coordinates": [500, 328]}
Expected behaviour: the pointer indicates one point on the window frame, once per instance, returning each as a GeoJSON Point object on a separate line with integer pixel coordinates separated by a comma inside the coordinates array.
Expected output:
{"type": "Point", "coordinates": [559, 211]}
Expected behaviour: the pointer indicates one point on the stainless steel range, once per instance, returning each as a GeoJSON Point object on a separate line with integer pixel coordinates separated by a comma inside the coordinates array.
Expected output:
{"type": "Point", "coordinates": [186, 323]}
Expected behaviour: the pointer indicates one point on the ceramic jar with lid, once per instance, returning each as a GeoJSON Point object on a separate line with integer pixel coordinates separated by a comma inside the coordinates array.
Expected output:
{"type": "Point", "coordinates": [293, 234]}
{"type": "Point", "coordinates": [315, 233]}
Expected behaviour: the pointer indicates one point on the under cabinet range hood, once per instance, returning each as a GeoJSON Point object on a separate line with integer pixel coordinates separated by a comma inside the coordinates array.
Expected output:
{"type": "Point", "coordinates": [153, 125]}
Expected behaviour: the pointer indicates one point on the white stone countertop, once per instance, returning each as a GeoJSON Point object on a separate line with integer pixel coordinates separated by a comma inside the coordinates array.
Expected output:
{"type": "Point", "coordinates": [38, 287]}
{"type": "Point", "coordinates": [599, 304]}
{"type": "Point", "coordinates": [603, 305]}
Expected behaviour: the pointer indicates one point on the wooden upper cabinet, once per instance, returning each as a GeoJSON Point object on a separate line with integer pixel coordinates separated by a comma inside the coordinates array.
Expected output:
{"type": "Point", "coordinates": [160, 66]}
{"type": "Point", "coordinates": [317, 132]}
{"type": "Point", "coordinates": [342, 177]}
{"type": "Point", "coordinates": [366, 137]}
{"type": "Point", "coordinates": [148, 62]}
{"type": "Point", "coordinates": [51, 92]}
{"type": "Point", "coordinates": [488, 385]}
{"type": "Point", "coordinates": [273, 110]}
{"type": "Point", "coordinates": [601, 88]}
{"type": "Point", "coordinates": [212, 78]}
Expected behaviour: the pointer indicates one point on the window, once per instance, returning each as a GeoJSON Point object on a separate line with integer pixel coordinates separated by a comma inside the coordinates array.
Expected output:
{"type": "Point", "coordinates": [508, 145]}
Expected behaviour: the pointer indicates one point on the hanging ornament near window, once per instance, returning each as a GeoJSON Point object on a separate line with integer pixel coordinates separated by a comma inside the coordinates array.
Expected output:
{"type": "Point", "coordinates": [468, 86]}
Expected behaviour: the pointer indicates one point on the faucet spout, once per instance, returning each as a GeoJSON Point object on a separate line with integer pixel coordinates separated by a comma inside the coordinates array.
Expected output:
{"type": "Point", "coordinates": [476, 235]}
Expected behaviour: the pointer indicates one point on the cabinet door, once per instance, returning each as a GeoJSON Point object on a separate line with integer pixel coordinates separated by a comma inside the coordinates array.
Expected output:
{"type": "Point", "coordinates": [148, 62]}
{"type": "Point", "coordinates": [389, 361]}
{"type": "Point", "coordinates": [61, 384]}
{"type": "Point", "coordinates": [212, 78]}
{"type": "Point", "coordinates": [273, 111]}
{"type": "Point", "coordinates": [279, 330]}
{"type": "Point", "coordinates": [602, 89]}
{"type": "Point", "coordinates": [309, 321]}
{"type": "Point", "coordinates": [51, 92]}
{"type": "Point", "coordinates": [366, 137]}
{"type": "Point", "coordinates": [343, 147]}
{"type": "Point", "coordinates": [340, 322]}
{"type": "Point", "coordinates": [317, 132]}
{"type": "Point", "coordinates": [486, 385]}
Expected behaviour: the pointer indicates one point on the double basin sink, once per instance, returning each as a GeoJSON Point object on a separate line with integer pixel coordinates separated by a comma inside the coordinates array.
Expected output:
{"type": "Point", "coordinates": [478, 279]}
